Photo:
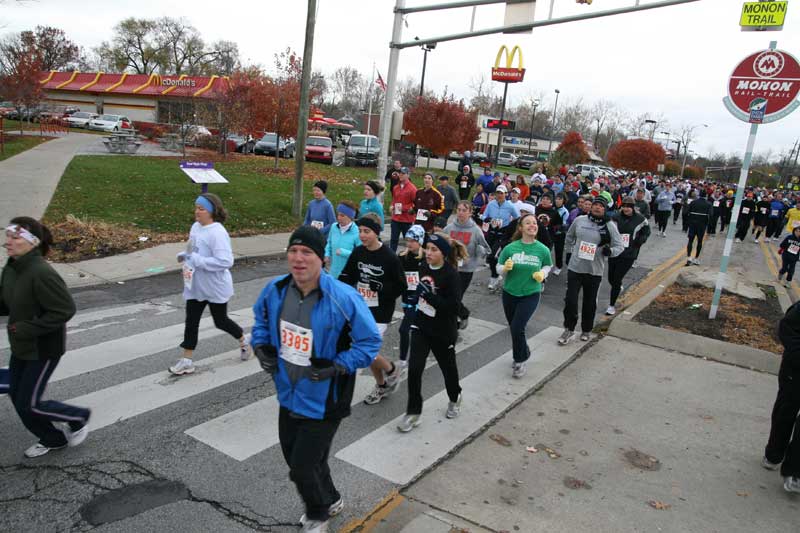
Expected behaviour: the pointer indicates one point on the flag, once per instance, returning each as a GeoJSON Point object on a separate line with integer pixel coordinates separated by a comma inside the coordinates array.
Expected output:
{"type": "Point", "coordinates": [380, 82]}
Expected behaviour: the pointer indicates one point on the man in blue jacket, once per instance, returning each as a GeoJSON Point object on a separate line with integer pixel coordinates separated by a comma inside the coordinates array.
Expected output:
{"type": "Point", "coordinates": [312, 333]}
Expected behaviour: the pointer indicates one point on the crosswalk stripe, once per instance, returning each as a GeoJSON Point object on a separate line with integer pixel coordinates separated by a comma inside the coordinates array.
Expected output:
{"type": "Point", "coordinates": [254, 428]}
{"type": "Point", "coordinates": [125, 349]}
{"type": "Point", "coordinates": [487, 392]}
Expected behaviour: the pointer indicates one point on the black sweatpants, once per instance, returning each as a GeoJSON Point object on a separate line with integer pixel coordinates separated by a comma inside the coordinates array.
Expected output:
{"type": "Point", "coordinates": [576, 283]}
{"type": "Point", "coordinates": [782, 447]}
{"type": "Point", "coordinates": [194, 311]}
{"type": "Point", "coordinates": [445, 354]}
{"type": "Point", "coordinates": [618, 267]}
{"type": "Point", "coordinates": [774, 228]}
{"type": "Point", "coordinates": [788, 263]}
{"type": "Point", "coordinates": [27, 381]}
{"type": "Point", "coordinates": [676, 211]}
{"type": "Point", "coordinates": [742, 225]}
{"type": "Point", "coordinates": [306, 444]}
{"type": "Point", "coordinates": [496, 241]}
{"type": "Point", "coordinates": [466, 279]}
{"type": "Point", "coordinates": [558, 249]}
{"type": "Point", "coordinates": [662, 218]}
{"type": "Point", "coordinates": [712, 223]}
{"type": "Point", "coordinates": [695, 230]}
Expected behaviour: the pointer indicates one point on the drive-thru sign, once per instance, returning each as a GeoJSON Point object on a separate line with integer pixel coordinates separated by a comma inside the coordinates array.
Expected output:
{"type": "Point", "coordinates": [763, 87]}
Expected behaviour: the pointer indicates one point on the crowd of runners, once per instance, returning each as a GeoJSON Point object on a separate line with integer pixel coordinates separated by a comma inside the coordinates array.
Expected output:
{"type": "Point", "coordinates": [317, 326]}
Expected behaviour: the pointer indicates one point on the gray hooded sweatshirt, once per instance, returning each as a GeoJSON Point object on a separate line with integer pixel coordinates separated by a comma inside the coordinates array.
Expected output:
{"type": "Point", "coordinates": [583, 241]}
{"type": "Point", "coordinates": [471, 236]}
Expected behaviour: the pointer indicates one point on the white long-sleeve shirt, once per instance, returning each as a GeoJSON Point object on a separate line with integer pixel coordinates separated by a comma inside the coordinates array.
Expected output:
{"type": "Point", "coordinates": [212, 259]}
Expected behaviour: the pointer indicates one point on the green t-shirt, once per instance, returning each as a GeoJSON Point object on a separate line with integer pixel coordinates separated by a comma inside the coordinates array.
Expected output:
{"type": "Point", "coordinates": [528, 258]}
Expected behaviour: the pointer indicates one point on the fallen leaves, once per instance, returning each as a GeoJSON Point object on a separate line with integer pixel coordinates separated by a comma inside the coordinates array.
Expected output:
{"type": "Point", "coordinates": [501, 440]}
{"type": "Point", "coordinates": [659, 506]}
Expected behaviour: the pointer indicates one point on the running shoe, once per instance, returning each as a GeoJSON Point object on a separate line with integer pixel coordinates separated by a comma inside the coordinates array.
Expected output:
{"type": "Point", "coordinates": [585, 336]}
{"type": "Point", "coordinates": [403, 364]}
{"type": "Point", "coordinates": [518, 369]}
{"type": "Point", "coordinates": [462, 324]}
{"type": "Point", "coordinates": [738, 240]}
{"type": "Point", "coordinates": [494, 283]}
{"type": "Point", "coordinates": [769, 465]}
{"type": "Point", "coordinates": [183, 366]}
{"type": "Point", "coordinates": [688, 262]}
{"type": "Point", "coordinates": [453, 408]}
{"type": "Point", "coordinates": [791, 484]}
{"type": "Point", "coordinates": [766, 239]}
{"type": "Point", "coordinates": [315, 526]}
{"type": "Point", "coordinates": [377, 394]}
{"type": "Point", "coordinates": [611, 311]}
{"type": "Point", "coordinates": [408, 423]}
{"type": "Point", "coordinates": [334, 509]}
{"type": "Point", "coordinates": [780, 276]}
{"type": "Point", "coordinates": [556, 271]}
{"type": "Point", "coordinates": [39, 449]}
{"type": "Point", "coordinates": [76, 438]}
{"type": "Point", "coordinates": [393, 380]}
{"type": "Point", "coordinates": [696, 261]}
{"type": "Point", "coordinates": [244, 349]}
{"type": "Point", "coordinates": [755, 241]}
{"type": "Point", "coordinates": [566, 337]}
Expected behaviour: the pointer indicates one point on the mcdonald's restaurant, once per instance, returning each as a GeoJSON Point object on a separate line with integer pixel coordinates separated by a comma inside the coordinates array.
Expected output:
{"type": "Point", "coordinates": [141, 97]}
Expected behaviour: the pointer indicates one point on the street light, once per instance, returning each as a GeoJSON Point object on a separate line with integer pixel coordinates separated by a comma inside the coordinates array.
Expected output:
{"type": "Point", "coordinates": [552, 128]}
{"type": "Point", "coordinates": [653, 131]}
{"type": "Point", "coordinates": [535, 104]}
{"type": "Point", "coordinates": [425, 48]}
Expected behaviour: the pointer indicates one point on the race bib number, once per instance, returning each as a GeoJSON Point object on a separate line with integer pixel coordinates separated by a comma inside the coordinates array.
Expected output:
{"type": "Point", "coordinates": [587, 250]}
{"type": "Point", "coordinates": [412, 280]}
{"type": "Point", "coordinates": [626, 239]}
{"type": "Point", "coordinates": [425, 308]}
{"type": "Point", "coordinates": [370, 296]}
{"type": "Point", "coordinates": [745, 210]}
{"type": "Point", "coordinates": [776, 212]}
{"type": "Point", "coordinates": [188, 276]}
{"type": "Point", "coordinates": [716, 203]}
{"type": "Point", "coordinates": [793, 249]}
{"type": "Point", "coordinates": [763, 210]}
{"type": "Point", "coordinates": [296, 343]}
{"type": "Point", "coordinates": [485, 226]}
{"type": "Point", "coordinates": [497, 222]}
{"type": "Point", "coordinates": [422, 215]}
{"type": "Point", "coordinates": [398, 209]}
{"type": "Point", "coordinates": [463, 184]}
{"type": "Point", "coordinates": [317, 224]}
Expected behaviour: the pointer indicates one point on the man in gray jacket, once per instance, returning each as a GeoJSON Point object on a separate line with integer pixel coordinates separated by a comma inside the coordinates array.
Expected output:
{"type": "Point", "coordinates": [450, 197]}
{"type": "Point", "coordinates": [592, 240]}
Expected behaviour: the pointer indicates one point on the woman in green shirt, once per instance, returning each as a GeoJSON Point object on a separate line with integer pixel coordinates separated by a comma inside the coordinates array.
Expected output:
{"type": "Point", "coordinates": [525, 262]}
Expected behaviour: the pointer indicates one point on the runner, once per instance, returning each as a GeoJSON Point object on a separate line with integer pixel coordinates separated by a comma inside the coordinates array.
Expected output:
{"type": "Point", "coordinates": [746, 212]}
{"type": "Point", "coordinates": [376, 273]}
{"type": "Point", "coordinates": [466, 181]}
{"type": "Point", "coordinates": [560, 234]}
{"type": "Point", "coordinates": [479, 203]}
{"type": "Point", "coordinates": [641, 203]}
{"type": "Point", "coordinates": [207, 279]}
{"type": "Point", "coordinates": [717, 199]}
{"type": "Point", "coordinates": [761, 218]}
{"type": "Point", "coordinates": [524, 190]}
{"type": "Point", "coordinates": [428, 204]}
{"type": "Point", "coordinates": [434, 328]}
{"type": "Point", "coordinates": [698, 216]}
{"type": "Point", "coordinates": [525, 262]}
{"type": "Point", "coordinates": [403, 195]}
{"type": "Point", "coordinates": [664, 201]}
{"type": "Point", "coordinates": [792, 218]}
{"type": "Point", "coordinates": [38, 306]}
{"type": "Point", "coordinates": [777, 209]}
{"type": "Point", "coordinates": [450, 197]}
{"type": "Point", "coordinates": [467, 232]}
{"type": "Point", "coordinates": [634, 230]}
{"type": "Point", "coordinates": [782, 449]}
{"type": "Point", "coordinates": [410, 259]}
{"type": "Point", "coordinates": [392, 176]}
{"type": "Point", "coordinates": [342, 239]}
{"type": "Point", "coordinates": [727, 211]}
{"type": "Point", "coordinates": [319, 213]}
{"type": "Point", "coordinates": [591, 240]}
{"type": "Point", "coordinates": [789, 251]}
{"type": "Point", "coordinates": [498, 219]}
{"type": "Point", "coordinates": [371, 203]}
{"type": "Point", "coordinates": [312, 334]}
{"type": "Point", "coordinates": [678, 204]}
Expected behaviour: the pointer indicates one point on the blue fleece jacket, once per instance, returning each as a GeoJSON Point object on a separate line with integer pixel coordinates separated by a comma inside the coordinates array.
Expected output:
{"type": "Point", "coordinates": [371, 206]}
{"type": "Point", "coordinates": [320, 211]}
{"type": "Point", "coordinates": [344, 243]}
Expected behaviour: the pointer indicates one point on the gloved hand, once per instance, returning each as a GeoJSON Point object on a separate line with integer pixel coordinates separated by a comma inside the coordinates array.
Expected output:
{"type": "Point", "coordinates": [424, 289]}
{"type": "Point", "coordinates": [322, 369]}
{"type": "Point", "coordinates": [267, 356]}
{"type": "Point", "coordinates": [538, 276]}
{"type": "Point", "coordinates": [375, 285]}
{"type": "Point", "coordinates": [508, 265]}
{"type": "Point", "coordinates": [181, 257]}
{"type": "Point", "coordinates": [606, 251]}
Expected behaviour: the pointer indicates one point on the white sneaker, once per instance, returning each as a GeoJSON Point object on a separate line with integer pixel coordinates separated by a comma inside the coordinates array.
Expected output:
{"type": "Point", "coordinates": [376, 395]}
{"type": "Point", "coordinates": [76, 438]}
{"type": "Point", "coordinates": [393, 379]}
{"type": "Point", "coordinates": [38, 450]}
{"type": "Point", "coordinates": [403, 365]}
{"type": "Point", "coordinates": [769, 465]}
{"type": "Point", "coordinates": [183, 366]}
{"type": "Point", "coordinates": [453, 408]}
{"type": "Point", "coordinates": [556, 271]}
{"type": "Point", "coordinates": [334, 509]}
{"type": "Point", "coordinates": [566, 337]}
{"type": "Point", "coordinates": [695, 261]}
{"type": "Point", "coordinates": [791, 484]}
{"type": "Point", "coordinates": [766, 239]}
{"type": "Point", "coordinates": [519, 369]}
{"type": "Point", "coordinates": [585, 336]}
{"type": "Point", "coordinates": [315, 526]}
{"type": "Point", "coordinates": [755, 241]}
{"type": "Point", "coordinates": [738, 240]}
{"type": "Point", "coordinates": [245, 351]}
{"type": "Point", "coordinates": [611, 311]}
{"type": "Point", "coordinates": [494, 282]}
{"type": "Point", "coordinates": [408, 423]}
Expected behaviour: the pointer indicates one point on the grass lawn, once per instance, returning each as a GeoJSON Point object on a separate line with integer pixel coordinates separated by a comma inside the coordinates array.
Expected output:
{"type": "Point", "coordinates": [153, 194]}
{"type": "Point", "coordinates": [15, 144]}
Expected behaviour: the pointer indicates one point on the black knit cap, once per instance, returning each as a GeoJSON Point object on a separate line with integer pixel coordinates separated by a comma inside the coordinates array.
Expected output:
{"type": "Point", "coordinates": [367, 222]}
{"type": "Point", "coordinates": [310, 237]}
{"type": "Point", "coordinates": [322, 185]}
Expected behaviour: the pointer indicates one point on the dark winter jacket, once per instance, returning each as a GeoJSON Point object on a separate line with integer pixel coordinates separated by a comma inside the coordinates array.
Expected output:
{"type": "Point", "coordinates": [634, 232]}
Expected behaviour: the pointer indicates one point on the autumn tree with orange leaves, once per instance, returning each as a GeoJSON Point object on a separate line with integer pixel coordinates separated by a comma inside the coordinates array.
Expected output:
{"type": "Point", "coordinates": [637, 154]}
{"type": "Point", "coordinates": [571, 151]}
{"type": "Point", "coordinates": [441, 124]}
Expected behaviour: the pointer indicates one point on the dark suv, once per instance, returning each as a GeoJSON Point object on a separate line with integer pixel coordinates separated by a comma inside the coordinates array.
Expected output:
{"type": "Point", "coordinates": [362, 150]}
{"type": "Point", "coordinates": [526, 162]}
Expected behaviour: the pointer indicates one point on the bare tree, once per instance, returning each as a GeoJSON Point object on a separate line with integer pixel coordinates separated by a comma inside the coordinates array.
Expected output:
{"type": "Point", "coordinates": [134, 47]}
{"type": "Point", "coordinates": [601, 113]}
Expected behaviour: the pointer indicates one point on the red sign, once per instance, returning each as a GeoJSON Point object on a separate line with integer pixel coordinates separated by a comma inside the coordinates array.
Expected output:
{"type": "Point", "coordinates": [763, 87]}
{"type": "Point", "coordinates": [508, 75]}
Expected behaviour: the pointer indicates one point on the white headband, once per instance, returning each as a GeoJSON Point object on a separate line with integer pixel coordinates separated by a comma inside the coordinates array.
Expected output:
{"type": "Point", "coordinates": [24, 233]}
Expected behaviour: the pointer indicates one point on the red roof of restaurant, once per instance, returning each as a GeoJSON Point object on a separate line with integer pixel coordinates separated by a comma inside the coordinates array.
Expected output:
{"type": "Point", "coordinates": [135, 84]}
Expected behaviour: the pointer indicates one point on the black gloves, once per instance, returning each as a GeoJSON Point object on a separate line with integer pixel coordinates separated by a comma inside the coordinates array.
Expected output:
{"type": "Point", "coordinates": [322, 369]}
{"type": "Point", "coordinates": [606, 250]}
{"type": "Point", "coordinates": [267, 356]}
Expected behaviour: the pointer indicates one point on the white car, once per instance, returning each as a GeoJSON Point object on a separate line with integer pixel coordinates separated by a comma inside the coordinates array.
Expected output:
{"type": "Point", "coordinates": [110, 123]}
{"type": "Point", "coordinates": [506, 158]}
{"type": "Point", "coordinates": [80, 119]}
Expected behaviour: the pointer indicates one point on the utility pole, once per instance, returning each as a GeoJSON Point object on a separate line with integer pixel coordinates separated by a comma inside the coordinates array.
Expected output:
{"type": "Point", "coordinates": [552, 128]}
{"type": "Point", "coordinates": [302, 115]}
{"type": "Point", "coordinates": [534, 104]}
{"type": "Point", "coordinates": [388, 98]}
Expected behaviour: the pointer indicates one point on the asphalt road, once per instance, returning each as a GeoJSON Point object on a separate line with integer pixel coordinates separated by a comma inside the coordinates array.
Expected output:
{"type": "Point", "coordinates": [148, 464]}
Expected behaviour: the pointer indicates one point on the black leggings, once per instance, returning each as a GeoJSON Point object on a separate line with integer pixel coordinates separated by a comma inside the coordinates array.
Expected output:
{"type": "Point", "coordinates": [662, 218]}
{"type": "Point", "coordinates": [194, 310]}
{"type": "Point", "coordinates": [774, 228]}
{"type": "Point", "coordinates": [558, 249]}
{"type": "Point", "coordinates": [445, 354]}
{"type": "Point", "coordinates": [676, 212]}
{"type": "Point", "coordinates": [742, 226]}
{"type": "Point", "coordinates": [466, 279]}
{"type": "Point", "coordinates": [618, 267]}
{"type": "Point", "coordinates": [698, 231]}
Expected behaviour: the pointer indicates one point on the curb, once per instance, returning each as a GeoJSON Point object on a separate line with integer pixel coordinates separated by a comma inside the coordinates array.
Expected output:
{"type": "Point", "coordinates": [687, 343]}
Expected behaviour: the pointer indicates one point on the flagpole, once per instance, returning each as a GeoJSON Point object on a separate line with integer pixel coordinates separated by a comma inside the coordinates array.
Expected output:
{"type": "Point", "coordinates": [369, 96]}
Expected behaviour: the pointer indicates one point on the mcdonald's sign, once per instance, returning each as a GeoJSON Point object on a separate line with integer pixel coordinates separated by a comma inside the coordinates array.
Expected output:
{"type": "Point", "coordinates": [508, 74]}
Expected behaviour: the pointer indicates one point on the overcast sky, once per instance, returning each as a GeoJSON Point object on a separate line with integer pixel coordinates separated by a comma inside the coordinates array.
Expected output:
{"type": "Point", "coordinates": [674, 61]}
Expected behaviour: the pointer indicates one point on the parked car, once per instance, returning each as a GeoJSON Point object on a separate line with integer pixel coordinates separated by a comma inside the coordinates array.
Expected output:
{"type": "Point", "coordinates": [454, 156]}
{"type": "Point", "coordinates": [110, 123]}
{"type": "Point", "coordinates": [6, 107]}
{"type": "Point", "coordinates": [80, 119]}
{"type": "Point", "coordinates": [586, 170]}
{"type": "Point", "coordinates": [478, 158]}
{"type": "Point", "coordinates": [362, 150]}
{"type": "Point", "coordinates": [506, 158]}
{"type": "Point", "coordinates": [319, 149]}
{"type": "Point", "coordinates": [526, 162]}
{"type": "Point", "coordinates": [267, 144]}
